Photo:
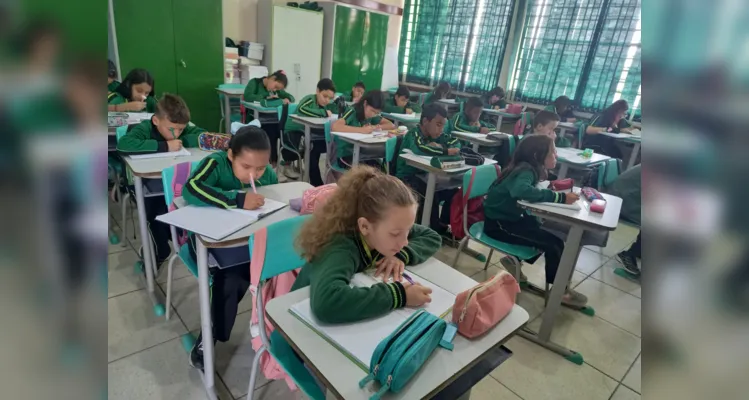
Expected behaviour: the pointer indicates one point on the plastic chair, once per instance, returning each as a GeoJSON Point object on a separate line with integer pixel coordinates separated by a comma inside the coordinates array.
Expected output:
{"type": "Point", "coordinates": [183, 252]}
{"type": "Point", "coordinates": [423, 98]}
{"type": "Point", "coordinates": [233, 116]}
{"type": "Point", "coordinates": [485, 176]}
{"type": "Point", "coordinates": [390, 156]}
{"type": "Point", "coordinates": [582, 127]}
{"type": "Point", "coordinates": [280, 257]}
{"type": "Point", "coordinates": [124, 198]}
{"type": "Point", "coordinates": [282, 118]}
{"type": "Point", "coordinates": [331, 159]}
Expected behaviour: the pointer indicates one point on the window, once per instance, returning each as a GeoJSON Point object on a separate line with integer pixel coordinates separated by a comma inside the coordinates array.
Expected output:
{"type": "Point", "coordinates": [587, 50]}
{"type": "Point", "coordinates": [458, 41]}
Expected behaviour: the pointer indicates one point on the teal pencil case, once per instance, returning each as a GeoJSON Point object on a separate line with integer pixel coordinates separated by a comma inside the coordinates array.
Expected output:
{"type": "Point", "coordinates": [399, 356]}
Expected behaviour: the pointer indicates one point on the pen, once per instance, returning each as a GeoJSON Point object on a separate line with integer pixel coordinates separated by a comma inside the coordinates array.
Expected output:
{"type": "Point", "coordinates": [408, 278]}
{"type": "Point", "coordinates": [252, 183]}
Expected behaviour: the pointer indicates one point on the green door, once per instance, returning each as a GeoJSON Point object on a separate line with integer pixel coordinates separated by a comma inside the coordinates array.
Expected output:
{"type": "Point", "coordinates": [145, 39]}
{"type": "Point", "coordinates": [374, 39]}
{"type": "Point", "coordinates": [347, 47]}
{"type": "Point", "coordinates": [199, 56]}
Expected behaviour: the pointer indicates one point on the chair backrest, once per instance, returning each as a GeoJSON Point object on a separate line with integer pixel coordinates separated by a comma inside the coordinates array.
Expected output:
{"type": "Point", "coordinates": [485, 176]}
{"type": "Point", "coordinates": [608, 171]}
{"type": "Point", "coordinates": [291, 110]}
{"type": "Point", "coordinates": [525, 120]}
{"type": "Point", "coordinates": [283, 256]}
{"type": "Point", "coordinates": [423, 98]}
{"type": "Point", "coordinates": [168, 178]}
{"type": "Point", "coordinates": [120, 132]}
{"type": "Point", "coordinates": [581, 134]}
{"type": "Point", "coordinates": [392, 147]}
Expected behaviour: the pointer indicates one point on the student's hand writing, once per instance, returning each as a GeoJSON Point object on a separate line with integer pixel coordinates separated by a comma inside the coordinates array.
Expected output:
{"type": "Point", "coordinates": [253, 201]}
{"type": "Point", "coordinates": [417, 295]}
{"type": "Point", "coordinates": [484, 130]}
{"type": "Point", "coordinates": [390, 266]}
{"type": "Point", "coordinates": [286, 101]}
{"type": "Point", "coordinates": [571, 197]}
{"type": "Point", "coordinates": [273, 96]}
{"type": "Point", "coordinates": [330, 113]}
{"type": "Point", "coordinates": [453, 152]}
{"type": "Point", "coordinates": [369, 128]}
{"type": "Point", "coordinates": [409, 111]}
{"type": "Point", "coordinates": [174, 144]}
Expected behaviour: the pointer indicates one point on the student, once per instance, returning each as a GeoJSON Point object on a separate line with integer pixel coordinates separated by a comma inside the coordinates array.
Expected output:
{"type": "Point", "coordinates": [362, 117]}
{"type": "Point", "coordinates": [111, 76]}
{"type": "Point", "coordinates": [469, 119]}
{"type": "Point", "coordinates": [440, 92]}
{"type": "Point", "coordinates": [628, 186]}
{"type": "Point", "coordinates": [318, 105]}
{"type": "Point", "coordinates": [368, 224]}
{"type": "Point", "coordinates": [400, 103]}
{"type": "Point", "coordinates": [609, 120]}
{"type": "Point", "coordinates": [428, 139]}
{"type": "Point", "coordinates": [167, 130]}
{"type": "Point", "coordinates": [545, 123]}
{"type": "Point", "coordinates": [224, 179]}
{"type": "Point", "coordinates": [507, 222]}
{"type": "Point", "coordinates": [134, 94]}
{"type": "Point", "coordinates": [269, 92]}
{"type": "Point", "coordinates": [357, 91]}
{"type": "Point", "coordinates": [495, 99]}
{"type": "Point", "coordinates": [562, 106]}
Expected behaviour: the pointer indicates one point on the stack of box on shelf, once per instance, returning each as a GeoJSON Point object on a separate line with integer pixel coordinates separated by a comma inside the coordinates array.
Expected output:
{"type": "Point", "coordinates": [243, 63]}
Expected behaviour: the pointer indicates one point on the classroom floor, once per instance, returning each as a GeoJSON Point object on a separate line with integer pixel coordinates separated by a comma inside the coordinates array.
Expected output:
{"type": "Point", "coordinates": [147, 361]}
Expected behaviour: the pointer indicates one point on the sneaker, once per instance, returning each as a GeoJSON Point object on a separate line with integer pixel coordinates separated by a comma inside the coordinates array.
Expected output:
{"type": "Point", "coordinates": [290, 172]}
{"type": "Point", "coordinates": [510, 264]}
{"type": "Point", "coordinates": [629, 262]}
{"type": "Point", "coordinates": [574, 299]}
{"type": "Point", "coordinates": [196, 354]}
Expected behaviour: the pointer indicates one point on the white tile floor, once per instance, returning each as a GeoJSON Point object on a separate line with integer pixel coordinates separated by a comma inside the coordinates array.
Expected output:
{"type": "Point", "coordinates": [147, 360]}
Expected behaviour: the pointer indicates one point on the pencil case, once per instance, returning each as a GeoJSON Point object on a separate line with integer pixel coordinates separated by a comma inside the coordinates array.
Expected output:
{"type": "Point", "coordinates": [397, 358]}
{"type": "Point", "coordinates": [447, 162]}
{"type": "Point", "coordinates": [213, 141]}
{"type": "Point", "coordinates": [561, 184]}
{"type": "Point", "coordinates": [481, 307]}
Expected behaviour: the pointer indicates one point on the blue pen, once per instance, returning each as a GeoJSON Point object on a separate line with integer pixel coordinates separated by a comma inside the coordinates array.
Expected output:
{"type": "Point", "coordinates": [408, 278]}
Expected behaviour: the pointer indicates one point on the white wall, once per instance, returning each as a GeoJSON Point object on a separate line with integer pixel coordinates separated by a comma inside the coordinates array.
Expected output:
{"type": "Point", "coordinates": [240, 19]}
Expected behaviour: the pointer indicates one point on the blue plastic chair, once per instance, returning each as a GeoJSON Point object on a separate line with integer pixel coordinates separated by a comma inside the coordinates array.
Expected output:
{"type": "Point", "coordinates": [485, 176]}
{"type": "Point", "coordinates": [183, 252]}
{"type": "Point", "coordinates": [390, 155]}
{"type": "Point", "coordinates": [281, 124]}
{"type": "Point", "coordinates": [280, 257]}
{"type": "Point", "coordinates": [233, 105]}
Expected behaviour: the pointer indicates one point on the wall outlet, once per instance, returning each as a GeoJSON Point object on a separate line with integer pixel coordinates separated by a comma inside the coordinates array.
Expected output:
{"type": "Point", "coordinates": [297, 69]}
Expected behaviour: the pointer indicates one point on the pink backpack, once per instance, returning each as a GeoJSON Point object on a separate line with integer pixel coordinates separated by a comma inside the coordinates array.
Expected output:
{"type": "Point", "coordinates": [514, 109]}
{"type": "Point", "coordinates": [179, 180]}
{"type": "Point", "coordinates": [481, 307]}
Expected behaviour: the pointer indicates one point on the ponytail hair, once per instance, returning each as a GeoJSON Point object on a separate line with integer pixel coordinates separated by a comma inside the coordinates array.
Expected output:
{"type": "Point", "coordinates": [362, 192]}
{"type": "Point", "coordinates": [280, 76]}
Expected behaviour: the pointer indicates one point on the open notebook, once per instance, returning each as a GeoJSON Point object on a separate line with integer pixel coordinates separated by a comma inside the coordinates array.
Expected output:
{"type": "Point", "coordinates": [217, 223]}
{"type": "Point", "coordinates": [358, 340]}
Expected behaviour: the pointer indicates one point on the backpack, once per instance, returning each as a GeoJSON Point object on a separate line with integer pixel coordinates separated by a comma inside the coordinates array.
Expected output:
{"type": "Point", "coordinates": [179, 179]}
{"type": "Point", "coordinates": [523, 123]}
{"type": "Point", "coordinates": [475, 208]}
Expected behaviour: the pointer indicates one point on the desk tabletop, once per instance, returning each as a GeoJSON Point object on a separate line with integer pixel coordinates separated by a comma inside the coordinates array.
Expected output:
{"type": "Point", "coordinates": [282, 192]}
{"type": "Point", "coordinates": [362, 138]}
{"type": "Point", "coordinates": [482, 138]}
{"type": "Point", "coordinates": [422, 163]}
{"type": "Point", "coordinates": [500, 112]}
{"type": "Point", "coordinates": [342, 376]}
{"type": "Point", "coordinates": [231, 91]}
{"type": "Point", "coordinates": [257, 107]}
{"type": "Point", "coordinates": [403, 117]}
{"type": "Point", "coordinates": [448, 101]}
{"type": "Point", "coordinates": [152, 167]}
{"type": "Point", "coordinates": [314, 122]}
{"type": "Point", "coordinates": [568, 125]}
{"type": "Point", "coordinates": [591, 220]}
{"type": "Point", "coordinates": [626, 137]}
{"type": "Point", "coordinates": [572, 156]}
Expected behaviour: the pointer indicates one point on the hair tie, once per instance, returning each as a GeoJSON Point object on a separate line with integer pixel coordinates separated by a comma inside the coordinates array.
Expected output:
{"type": "Point", "coordinates": [282, 72]}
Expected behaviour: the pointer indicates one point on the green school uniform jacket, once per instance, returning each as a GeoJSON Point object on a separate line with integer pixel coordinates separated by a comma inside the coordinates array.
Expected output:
{"type": "Point", "coordinates": [417, 142]}
{"type": "Point", "coordinates": [459, 122]}
{"type": "Point", "coordinates": [111, 87]}
{"type": "Point", "coordinates": [213, 183]}
{"type": "Point", "coordinates": [308, 107]}
{"type": "Point", "coordinates": [391, 107]}
{"type": "Point", "coordinates": [502, 200]}
{"type": "Point", "coordinates": [256, 91]}
{"type": "Point", "coordinates": [501, 103]}
{"type": "Point", "coordinates": [116, 98]}
{"type": "Point", "coordinates": [145, 138]}
{"type": "Point", "coordinates": [328, 275]}
{"type": "Point", "coordinates": [345, 149]}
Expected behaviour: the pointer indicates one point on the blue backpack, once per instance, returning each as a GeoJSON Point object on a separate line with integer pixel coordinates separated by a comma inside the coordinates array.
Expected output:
{"type": "Point", "coordinates": [400, 355]}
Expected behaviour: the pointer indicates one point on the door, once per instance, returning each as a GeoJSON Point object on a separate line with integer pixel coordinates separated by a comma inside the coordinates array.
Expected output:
{"type": "Point", "coordinates": [198, 57]}
{"type": "Point", "coordinates": [300, 59]}
{"type": "Point", "coordinates": [347, 47]}
{"type": "Point", "coordinates": [374, 39]}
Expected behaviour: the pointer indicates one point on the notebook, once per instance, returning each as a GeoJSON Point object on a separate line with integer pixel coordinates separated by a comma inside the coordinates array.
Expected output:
{"type": "Point", "coordinates": [358, 340]}
{"type": "Point", "coordinates": [217, 223]}
{"type": "Point", "coordinates": [574, 206]}
{"type": "Point", "coordinates": [181, 153]}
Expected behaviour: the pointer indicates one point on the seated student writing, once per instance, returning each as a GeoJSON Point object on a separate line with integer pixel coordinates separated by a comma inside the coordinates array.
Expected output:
{"type": "Point", "coordinates": [318, 105]}
{"type": "Point", "coordinates": [441, 91]}
{"type": "Point", "coordinates": [167, 130]}
{"type": "Point", "coordinates": [367, 224]}
{"type": "Point", "coordinates": [545, 123]}
{"type": "Point", "coordinates": [495, 99]}
{"type": "Point", "coordinates": [362, 117]}
{"type": "Point", "coordinates": [400, 103]}
{"type": "Point", "coordinates": [609, 120]}
{"type": "Point", "coordinates": [224, 179]}
{"type": "Point", "coordinates": [357, 91]}
{"type": "Point", "coordinates": [111, 78]}
{"type": "Point", "coordinates": [269, 92]}
{"type": "Point", "coordinates": [507, 222]}
{"type": "Point", "coordinates": [134, 94]}
{"type": "Point", "coordinates": [562, 106]}
{"type": "Point", "coordinates": [428, 139]}
{"type": "Point", "coordinates": [469, 120]}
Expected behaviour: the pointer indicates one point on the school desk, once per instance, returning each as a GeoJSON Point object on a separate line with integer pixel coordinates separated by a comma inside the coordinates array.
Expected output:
{"type": "Point", "coordinates": [341, 376]}
{"type": "Point", "coordinates": [578, 221]}
{"type": "Point", "coordinates": [570, 157]}
{"type": "Point", "coordinates": [257, 109]}
{"type": "Point", "coordinates": [480, 139]}
{"type": "Point", "coordinates": [447, 104]}
{"type": "Point", "coordinates": [362, 140]}
{"type": "Point", "coordinates": [422, 163]}
{"type": "Point", "coordinates": [151, 168]}
{"type": "Point", "coordinates": [229, 93]}
{"type": "Point", "coordinates": [500, 115]}
{"type": "Point", "coordinates": [403, 119]}
{"type": "Point", "coordinates": [309, 124]}
{"type": "Point", "coordinates": [282, 192]}
{"type": "Point", "coordinates": [636, 141]}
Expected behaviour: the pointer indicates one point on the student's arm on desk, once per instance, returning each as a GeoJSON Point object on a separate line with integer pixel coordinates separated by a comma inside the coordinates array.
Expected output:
{"type": "Point", "coordinates": [459, 124]}
{"type": "Point", "coordinates": [340, 126]}
{"type": "Point", "coordinates": [250, 90]}
{"type": "Point", "coordinates": [138, 141]}
{"type": "Point", "coordinates": [282, 94]}
{"type": "Point", "coordinates": [423, 243]}
{"type": "Point", "coordinates": [332, 299]}
{"type": "Point", "coordinates": [523, 189]}
{"type": "Point", "coordinates": [385, 124]}
{"type": "Point", "coordinates": [200, 189]}
{"type": "Point", "coordinates": [190, 136]}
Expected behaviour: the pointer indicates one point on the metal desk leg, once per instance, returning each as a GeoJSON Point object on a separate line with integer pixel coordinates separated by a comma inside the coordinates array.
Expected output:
{"type": "Point", "coordinates": [357, 153]}
{"type": "Point", "coordinates": [428, 198]}
{"type": "Point", "coordinates": [205, 317]}
{"type": "Point", "coordinates": [257, 114]}
{"type": "Point", "coordinates": [633, 156]}
{"type": "Point", "coordinates": [562, 171]}
{"type": "Point", "coordinates": [499, 122]}
{"type": "Point", "coordinates": [307, 151]}
{"type": "Point", "coordinates": [475, 147]}
{"type": "Point", "coordinates": [227, 115]}
{"type": "Point", "coordinates": [148, 259]}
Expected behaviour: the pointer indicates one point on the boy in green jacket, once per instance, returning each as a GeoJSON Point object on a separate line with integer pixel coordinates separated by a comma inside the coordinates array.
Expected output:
{"type": "Point", "coordinates": [469, 120]}
{"type": "Point", "coordinates": [400, 103]}
{"type": "Point", "coordinates": [545, 123]}
{"type": "Point", "coordinates": [269, 91]}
